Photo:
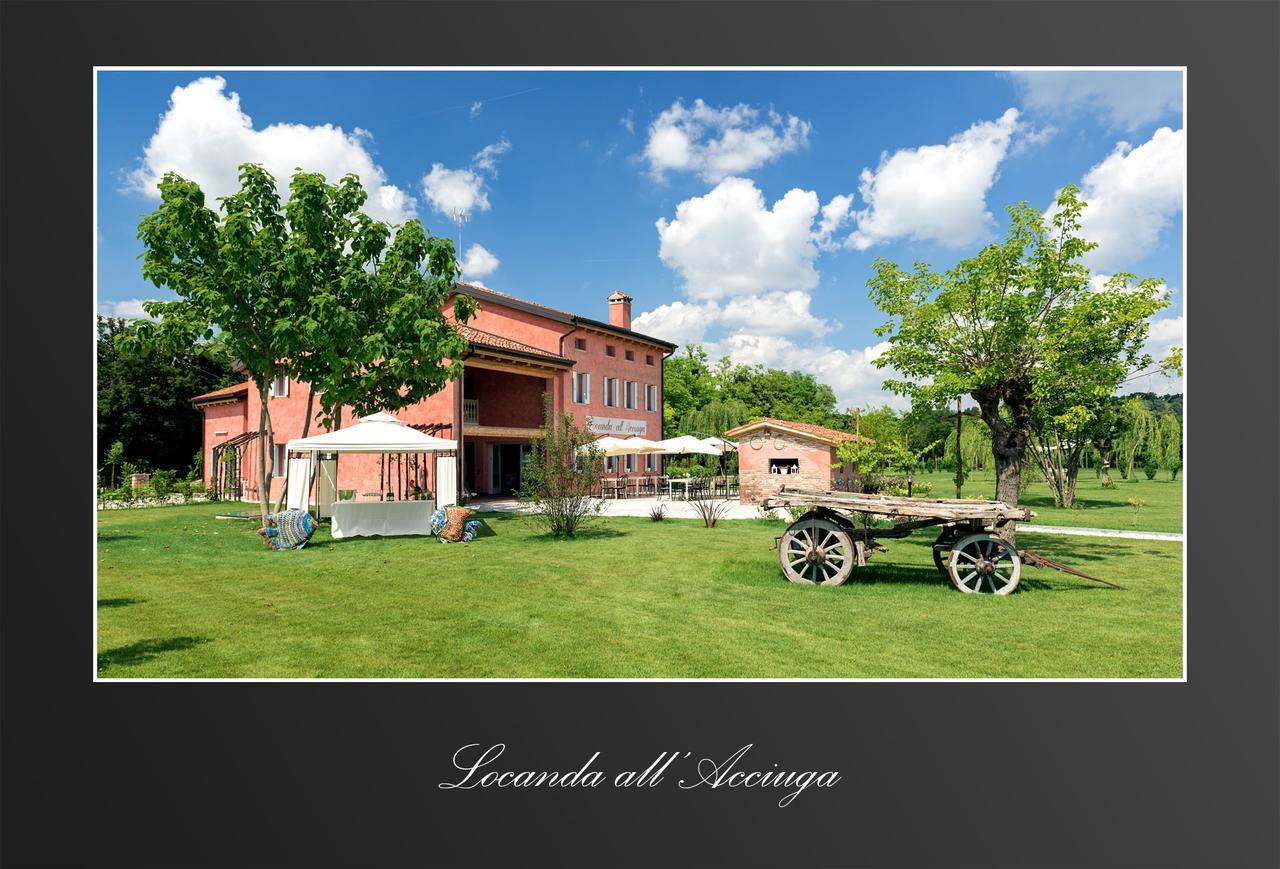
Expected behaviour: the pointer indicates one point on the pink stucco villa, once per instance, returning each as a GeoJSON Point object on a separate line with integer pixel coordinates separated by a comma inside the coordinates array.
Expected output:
{"type": "Point", "coordinates": [603, 373]}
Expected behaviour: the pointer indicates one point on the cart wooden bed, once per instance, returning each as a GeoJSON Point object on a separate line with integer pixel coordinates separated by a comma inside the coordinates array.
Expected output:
{"type": "Point", "coordinates": [834, 535]}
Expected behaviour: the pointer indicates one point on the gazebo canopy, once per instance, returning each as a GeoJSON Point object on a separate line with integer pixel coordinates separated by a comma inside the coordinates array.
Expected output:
{"type": "Point", "coordinates": [376, 433]}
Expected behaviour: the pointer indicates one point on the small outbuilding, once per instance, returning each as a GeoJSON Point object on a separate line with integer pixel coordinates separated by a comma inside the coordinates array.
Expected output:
{"type": "Point", "coordinates": [773, 453]}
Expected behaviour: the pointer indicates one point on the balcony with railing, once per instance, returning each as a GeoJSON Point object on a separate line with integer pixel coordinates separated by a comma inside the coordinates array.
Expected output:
{"type": "Point", "coordinates": [470, 411]}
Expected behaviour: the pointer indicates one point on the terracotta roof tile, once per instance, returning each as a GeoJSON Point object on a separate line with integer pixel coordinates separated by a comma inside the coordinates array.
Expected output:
{"type": "Point", "coordinates": [227, 392]}
{"type": "Point", "coordinates": [488, 339]}
{"type": "Point", "coordinates": [820, 432]}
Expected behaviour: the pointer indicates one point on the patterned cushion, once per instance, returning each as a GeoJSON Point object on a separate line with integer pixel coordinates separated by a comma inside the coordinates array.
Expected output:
{"type": "Point", "coordinates": [469, 531]}
{"type": "Point", "coordinates": [438, 519]}
{"type": "Point", "coordinates": [455, 524]}
{"type": "Point", "coordinates": [291, 529]}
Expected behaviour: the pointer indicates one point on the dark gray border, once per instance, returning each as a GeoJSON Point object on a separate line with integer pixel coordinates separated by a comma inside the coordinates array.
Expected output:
{"type": "Point", "coordinates": [343, 775]}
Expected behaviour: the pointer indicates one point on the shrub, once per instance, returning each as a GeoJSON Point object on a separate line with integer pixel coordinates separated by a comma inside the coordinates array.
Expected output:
{"type": "Point", "coordinates": [562, 474]}
{"type": "Point", "coordinates": [1136, 504]}
{"type": "Point", "coordinates": [1150, 466]}
{"type": "Point", "coordinates": [183, 488]}
{"type": "Point", "coordinates": [162, 482]}
{"type": "Point", "coordinates": [658, 512]}
{"type": "Point", "coordinates": [197, 488]}
{"type": "Point", "coordinates": [1108, 483]}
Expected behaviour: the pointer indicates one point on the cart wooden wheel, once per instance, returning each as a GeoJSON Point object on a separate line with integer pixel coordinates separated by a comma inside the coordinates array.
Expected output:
{"type": "Point", "coordinates": [984, 564]}
{"type": "Point", "coordinates": [942, 551]}
{"type": "Point", "coordinates": [816, 552]}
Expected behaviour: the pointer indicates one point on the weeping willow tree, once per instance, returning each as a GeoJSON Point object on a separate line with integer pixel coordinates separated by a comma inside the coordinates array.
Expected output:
{"type": "Point", "coordinates": [714, 418]}
{"type": "Point", "coordinates": [1137, 423]}
{"type": "Point", "coordinates": [975, 444]}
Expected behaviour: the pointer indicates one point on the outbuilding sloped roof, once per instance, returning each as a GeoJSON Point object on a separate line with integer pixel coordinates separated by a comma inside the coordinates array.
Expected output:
{"type": "Point", "coordinates": [804, 429]}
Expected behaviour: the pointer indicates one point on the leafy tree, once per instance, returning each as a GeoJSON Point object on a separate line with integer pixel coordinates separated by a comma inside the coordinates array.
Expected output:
{"type": "Point", "coordinates": [372, 333]}
{"type": "Point", "coordinates": [113, 459]}
{"type": "Point", "coordinates": [687, 384]}
{"type": "Point", "coordinates": [1171, 452]}
{"type": "Point", "coordinates": [562, 475]}
{"type": "Point", "coordinates": [144, 396]}
{"type": "Point", "coordinates": [1018, 328]}
{"type": "Point", "coordinates": [257, 278]}
{"type": "Point", "coordinates": [791, 395]}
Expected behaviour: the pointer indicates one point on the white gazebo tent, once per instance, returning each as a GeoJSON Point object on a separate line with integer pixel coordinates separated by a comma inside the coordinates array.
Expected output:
{"type": "Point", "coordinates": [379, 433]}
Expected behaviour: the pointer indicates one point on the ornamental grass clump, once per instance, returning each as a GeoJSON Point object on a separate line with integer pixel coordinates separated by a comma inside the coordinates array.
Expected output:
{"type": "Point", "coordinates": [710, 510]}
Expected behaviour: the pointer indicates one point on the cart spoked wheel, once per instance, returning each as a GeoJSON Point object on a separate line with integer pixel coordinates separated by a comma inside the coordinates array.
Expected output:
{"type": "Point", "coordinates": [984, 564]}
{"type": "Point", "coordinates": [942, 551]}
{"type": "Point", "coordinates": [816, 552]}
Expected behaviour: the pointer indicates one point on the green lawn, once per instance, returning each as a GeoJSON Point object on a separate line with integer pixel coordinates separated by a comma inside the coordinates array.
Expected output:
{"type": "Point", "coordinates": [1096, 507]}
{"type": "Point", "coordinates": [184, 594]}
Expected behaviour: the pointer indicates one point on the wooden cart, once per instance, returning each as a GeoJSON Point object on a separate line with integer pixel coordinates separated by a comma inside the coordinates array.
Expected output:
{"type": "Point", "coordinates": [835, 534]}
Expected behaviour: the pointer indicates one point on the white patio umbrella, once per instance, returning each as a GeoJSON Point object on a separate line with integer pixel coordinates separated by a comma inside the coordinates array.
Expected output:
{"type": "Point", "coordinates": [687, 445]}
{"type": "Point", "coordinates": [720, 445]}
{"type": "Point", "coordinates": [612, 446]}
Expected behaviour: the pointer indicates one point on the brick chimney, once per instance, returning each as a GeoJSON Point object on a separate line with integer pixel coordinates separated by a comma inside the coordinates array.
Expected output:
{"type": "Point", "coordinates": [620, 310]}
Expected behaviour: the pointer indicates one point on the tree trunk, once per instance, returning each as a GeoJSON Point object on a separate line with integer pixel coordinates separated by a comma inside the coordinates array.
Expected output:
{"type": "Point", "coordinates": [306, 428]}
{"type": "Point", "coordinates": [1008, 443]}
{"type": "Point", "coordinates": [264, 432]}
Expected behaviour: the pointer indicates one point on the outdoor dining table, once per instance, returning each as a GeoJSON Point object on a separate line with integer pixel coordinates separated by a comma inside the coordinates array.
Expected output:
{"type": "Point", "coordinates": [381, 518]}
{"type": "Point", "coordinates": [683, 483]}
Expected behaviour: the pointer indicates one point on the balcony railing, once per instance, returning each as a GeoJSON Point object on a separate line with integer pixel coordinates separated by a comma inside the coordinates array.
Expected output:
{"type": "Point", "coordinates": [471, 411]}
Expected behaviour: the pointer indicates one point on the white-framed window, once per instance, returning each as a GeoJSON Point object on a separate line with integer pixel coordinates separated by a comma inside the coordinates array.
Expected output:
{"type": "Point", "coordinates": [279, 459]}
{"type": "Point", "coordinates": [611, 392]}
{"type": "Point", "coordinates": [581, 387]}
{"type": "Point", "coordinates": [630, 394]}
{"type": "Point", "coordinates": [629, 463]}
{"type": "Point", "coordinates": [650, 463]}
{"type": "Point", "coordinates": [651, 396]}
{"type": "Point", "coordinates": [611, 464]}
{"type": "Point", "coordinates": [280, 386]}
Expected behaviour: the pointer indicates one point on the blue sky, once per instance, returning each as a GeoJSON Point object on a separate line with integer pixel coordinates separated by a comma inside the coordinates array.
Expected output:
{"type": "Point", "coordinates": [741, 210]}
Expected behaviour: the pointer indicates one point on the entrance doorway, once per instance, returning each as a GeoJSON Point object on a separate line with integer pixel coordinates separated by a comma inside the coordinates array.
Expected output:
{"type": "Point", "coordinates": [506, 465]}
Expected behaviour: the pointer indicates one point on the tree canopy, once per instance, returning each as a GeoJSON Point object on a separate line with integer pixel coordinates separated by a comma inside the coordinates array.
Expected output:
{"type": "Point", "coordinates": [311, 289]}
{"type": "Point", "coordinates": [144, 397]}
{"type": "Point", "coordinates": [1020, 328]}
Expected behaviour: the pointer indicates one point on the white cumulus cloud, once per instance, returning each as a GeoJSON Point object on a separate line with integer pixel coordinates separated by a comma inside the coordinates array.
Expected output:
{"type": "Point", "coordinates": [478, 262]}
{"type": "Point", "coordinates": [205, 136]}
{"type": "Point", "coordinates": [1123, 100]}
{"type": "Point", "coordinates": [718, 142]}
{"type": "Point", "coordinates": [1133, 194]}
{"type": "Point", "coordinates": [678, 322]}
{"type": "Point", "coordinates": [729, 242]}
{"type": "Point", "coordinates": [456, 193]}
{"type": "Point", "coordinates": [778, 313]}
{"type": "Point", "coordinates": [128, 309]}
{"type": "Point", "coordinates": [935, 192]}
